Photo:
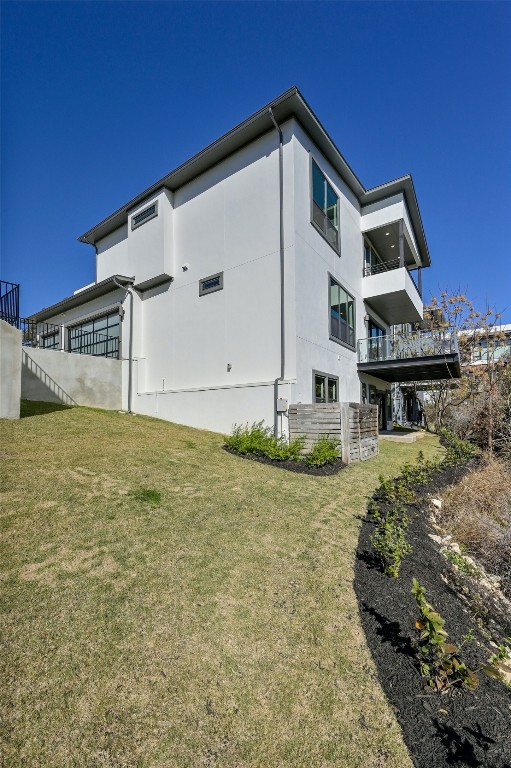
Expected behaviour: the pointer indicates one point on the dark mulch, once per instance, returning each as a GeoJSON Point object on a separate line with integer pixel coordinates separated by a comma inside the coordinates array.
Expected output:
{"type": "Point", "coordinates": [455, 729]}
{"type": "Point", "coordinates": [291, 466]}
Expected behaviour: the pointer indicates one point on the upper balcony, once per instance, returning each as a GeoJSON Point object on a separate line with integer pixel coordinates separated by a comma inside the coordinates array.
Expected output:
{"type": "Point", "coordinates": [417, 356]}
{"type": "Point", "coordinates": [391, 291]}
{"type": "Point", "coordinates": [390, 252]}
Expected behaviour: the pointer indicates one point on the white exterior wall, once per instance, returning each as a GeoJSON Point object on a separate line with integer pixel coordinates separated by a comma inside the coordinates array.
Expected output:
{"type": "Point", "coordinates": [226, 220]}
{"type": "Point", "coordinates": [143, 252]}
{"type": "Point", "coordinates": [315, 261]}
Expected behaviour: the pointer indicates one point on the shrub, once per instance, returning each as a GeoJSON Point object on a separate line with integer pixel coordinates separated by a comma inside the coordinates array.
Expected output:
{"type": "Point", "coordinates": [457, 451]}
{"type": "Point", "coordinates": [439, 660]}
{"type": "Point", "coordinates": [324, 451]}
{"type": "Point", "coordinates": [260, 441]}
{"type": "Point", "coordinates": [389, 541]}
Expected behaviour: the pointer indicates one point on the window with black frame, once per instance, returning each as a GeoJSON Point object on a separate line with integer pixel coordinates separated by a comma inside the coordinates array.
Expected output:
{"type": "Point", "coordinates": [326, 388]}
{"type": "Point", "coordinates": [98, 336]}
{"type": "Point", "coordinates": [50, 340]}
{"type": "Point", "coordinates": [325, 207]}
{"type": "Point", "coordinates": [342, 314]}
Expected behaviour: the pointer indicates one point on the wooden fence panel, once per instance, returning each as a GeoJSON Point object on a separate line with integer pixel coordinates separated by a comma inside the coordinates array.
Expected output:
{"type": "Point", "coordinates": [353, 424]}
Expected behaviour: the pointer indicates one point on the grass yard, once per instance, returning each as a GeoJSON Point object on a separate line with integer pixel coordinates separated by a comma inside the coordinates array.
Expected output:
{"type": "Point", "coordinates": [165, 603]}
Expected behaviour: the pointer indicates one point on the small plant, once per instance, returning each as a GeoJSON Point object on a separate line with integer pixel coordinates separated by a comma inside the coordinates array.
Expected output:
{"type": "Point", "coordinates": [147, 495]}
{"type": "Point", "coordinates": [439, 660]}
{"type": "Point", "coordinates": [389, 541]}
{"type": "Point", "coordinates": [324, 451]}
{"type": "Point", "coordinates": [499, 665]}
{"type": "Point", "coordinates": [461, 563]}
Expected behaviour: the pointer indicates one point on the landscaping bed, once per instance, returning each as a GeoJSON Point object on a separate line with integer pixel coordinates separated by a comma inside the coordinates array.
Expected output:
{"type": "Point", "coordinates": [458, 727]}
{"type": "Point", "coordinates": [292, 465]}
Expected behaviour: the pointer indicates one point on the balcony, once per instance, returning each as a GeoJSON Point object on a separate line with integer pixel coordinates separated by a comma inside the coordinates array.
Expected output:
{"type": "Point", "coordinates": [390, 290]}
{"type": "Point", "coordinates": [419, 356]}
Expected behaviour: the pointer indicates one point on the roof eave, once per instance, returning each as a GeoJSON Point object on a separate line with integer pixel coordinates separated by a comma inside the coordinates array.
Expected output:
{"type": "Point", "coordinates": [96, 290]}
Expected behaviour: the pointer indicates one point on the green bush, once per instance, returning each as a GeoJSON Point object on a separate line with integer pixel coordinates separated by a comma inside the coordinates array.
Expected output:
{"type": "Point", "coordinates": [324, 451]}
{"type": "Point", "coordinates": [457, 451]}
{"type": "Point", "coordinates": [260, 441]}
{"type": "Point", "coordinates": [389, 541]}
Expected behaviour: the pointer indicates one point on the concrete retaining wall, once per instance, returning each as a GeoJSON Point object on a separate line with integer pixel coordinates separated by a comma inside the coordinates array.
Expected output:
{"type": "Point", "coordinates": [10, 371]}
{"type": "Point", "coordinates": [61, 377]}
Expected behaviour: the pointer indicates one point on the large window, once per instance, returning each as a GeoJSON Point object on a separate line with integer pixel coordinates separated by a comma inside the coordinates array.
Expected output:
{"type": "Point", "coordinates": [325, 207]}
{"type": "Point", "coordinates": [342, 314]}
{"type": "Point", "coordinates": [325, 387]}
{"type": "Point", "coordinates": [98, 336]}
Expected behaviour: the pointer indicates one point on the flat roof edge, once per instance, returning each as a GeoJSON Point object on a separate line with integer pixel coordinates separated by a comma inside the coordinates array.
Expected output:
{"type": "Point", "coordinates": [96, 290]}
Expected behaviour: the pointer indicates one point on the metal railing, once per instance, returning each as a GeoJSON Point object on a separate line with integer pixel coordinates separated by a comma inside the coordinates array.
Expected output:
{"type": "Point", "coordinates": [48, 336]}
{"type": "Point", "coordinates": [10, 303]}
{"type": "Point", "coordinates": [388, 266]}
{"type": "Point", "coordinates": [43, 335]}
{"type": "Point", "coordinates": [93, 343]}
{"type": "Point", "coordinates": [379, 267]}
{"type": "Point", "coordinates": [405, 346]}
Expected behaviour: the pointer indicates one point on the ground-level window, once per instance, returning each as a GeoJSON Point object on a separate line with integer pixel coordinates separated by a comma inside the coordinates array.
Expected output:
{"type": "Point", "coordinates": [325, 207]}
{"type": "Point", "coordinates": [342, 314]}
{"type": "Point", "coordinates": [325, 387]}
{"type": "Point", "coordinates": [98, 336]}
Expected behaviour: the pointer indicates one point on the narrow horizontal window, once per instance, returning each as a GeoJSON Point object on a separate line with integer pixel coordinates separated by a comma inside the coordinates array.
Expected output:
{"type": "Point", "coordinates": [211, 284]}
{"type": "Point", "coordinates": [148, 213]}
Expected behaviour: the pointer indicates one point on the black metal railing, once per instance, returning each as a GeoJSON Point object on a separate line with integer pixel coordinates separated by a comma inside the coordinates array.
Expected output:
{"type": "Point", "coordinates": [93, 343]}
{"type": "Point", "coordinates": [10, 303]}
{"type": "Point", "coordinates": [49, 336]}
{"type": "Point", "coordinates": [43, 335]}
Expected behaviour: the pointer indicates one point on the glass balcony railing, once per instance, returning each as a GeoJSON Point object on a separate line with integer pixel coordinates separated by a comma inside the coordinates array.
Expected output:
{"type": "Point", "coordinates": [406, 346]}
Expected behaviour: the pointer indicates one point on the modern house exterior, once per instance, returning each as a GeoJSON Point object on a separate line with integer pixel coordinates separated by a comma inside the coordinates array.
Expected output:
{"type": "Point", "coordinates": [259, 273]}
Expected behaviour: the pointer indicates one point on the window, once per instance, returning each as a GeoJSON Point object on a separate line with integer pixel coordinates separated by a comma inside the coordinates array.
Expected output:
{"type": "Point", "coordinates": [145, 215]}
{"type": "Point", "coordinates": [325, 207]}
{"type": "Point", "coordinates": [342, 315]}
{"type": "Point", "coordinates": [325, 387]}
{"type": "Point", "coordinates": [376, 341]}
{"type": "Point", "coordinates": [51, 340]}
{"type": "Point", "coordinates": [98, 336]}
{"type": "Point", "coordinates": [211, 284]}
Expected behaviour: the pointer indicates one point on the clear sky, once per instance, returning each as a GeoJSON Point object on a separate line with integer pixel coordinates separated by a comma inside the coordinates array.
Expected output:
{"type": "Point", "coordinates": [101, 99]}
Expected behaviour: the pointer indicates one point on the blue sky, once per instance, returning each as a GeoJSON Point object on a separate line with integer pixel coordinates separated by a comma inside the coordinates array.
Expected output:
{"type": "Point", "coordinates": [101, 99]}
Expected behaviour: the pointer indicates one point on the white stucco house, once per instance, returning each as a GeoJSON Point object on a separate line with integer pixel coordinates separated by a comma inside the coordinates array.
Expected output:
{"type": "Point", "coordinates": [258, 273]}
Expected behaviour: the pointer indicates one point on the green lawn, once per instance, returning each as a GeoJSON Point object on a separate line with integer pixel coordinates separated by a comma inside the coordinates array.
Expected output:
{"type": "Point", "coordinates": [215, 627]}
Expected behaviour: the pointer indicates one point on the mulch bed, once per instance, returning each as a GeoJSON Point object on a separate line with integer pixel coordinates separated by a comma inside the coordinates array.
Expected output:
{"type": "Point", "coordinates": [460, 728]}
{"type": "Point", "coordinates": [291, 466]}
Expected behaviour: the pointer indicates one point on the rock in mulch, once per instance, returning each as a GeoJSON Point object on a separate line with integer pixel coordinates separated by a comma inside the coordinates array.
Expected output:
{"type": "Point", "coordinates": [460, 728]}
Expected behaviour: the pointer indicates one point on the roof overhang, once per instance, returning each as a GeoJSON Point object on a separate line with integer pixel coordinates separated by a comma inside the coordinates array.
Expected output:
{"type": "Point", "coordinates": [405, 186]}
{"type": "Point", "coordinates": [96, 290]}
{"type": "Point", "coordinates": [287, 105]}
